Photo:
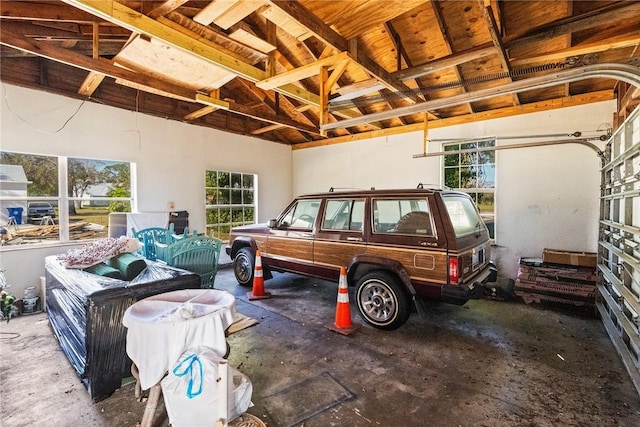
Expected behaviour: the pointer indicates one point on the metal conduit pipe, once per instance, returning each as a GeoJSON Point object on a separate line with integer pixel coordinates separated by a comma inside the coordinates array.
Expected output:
{"type": "Point", "coordinates": [583, 141]}
{"type": "Point", "coordinates": [623, 72]}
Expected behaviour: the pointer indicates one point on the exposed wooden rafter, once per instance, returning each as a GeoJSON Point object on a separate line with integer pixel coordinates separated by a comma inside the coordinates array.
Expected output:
{"type": "Point", "coordinates": [331, 38]}
{"type": "Point", "coordinates": [299, 72]}
{"type": "Point", "coordinates": [497, 41]}
{"type": "Point", "coordinates": [447, 42]}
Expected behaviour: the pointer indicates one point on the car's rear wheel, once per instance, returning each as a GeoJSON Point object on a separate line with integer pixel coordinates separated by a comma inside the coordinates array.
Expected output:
{"type": "Point", "coordinates": [382, 301]}
{"type": "Point", "coordinates": [243, 266]}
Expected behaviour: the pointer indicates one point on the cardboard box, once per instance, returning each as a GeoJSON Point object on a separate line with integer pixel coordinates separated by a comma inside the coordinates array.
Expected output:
{"type": "Point", "coordinates": [578, 259]}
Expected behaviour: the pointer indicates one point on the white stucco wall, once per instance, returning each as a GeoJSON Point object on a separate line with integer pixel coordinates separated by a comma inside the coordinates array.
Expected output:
{"type": "Point", "coordinates": [545, 197]}
{"type": "Point", "coordinates": [170, 157]}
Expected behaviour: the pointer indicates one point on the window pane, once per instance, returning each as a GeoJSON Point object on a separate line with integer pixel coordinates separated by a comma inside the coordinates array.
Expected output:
{"type": "Point", "coordinates": [224, 197]}
{"type": "Point", "coordinates": [469, 158]}
{"type": "Point", "coordinates": [467, 177]}
{"type": "Point", "coordinates": [211, 179]}
{"type": "Point", "coordinates": [96, 178]}
{"type": "Point", "coordinates": [451, 178]}
{"type": "Point", "coordinates": [485, 202]}
{"type": "Point", "coordinates": [247, 197]}
{"type": "Point", "coordinates": [236, 180]}
{"type": "Point", "coordinates": [28, 175]}
{"type": "Point", "coordinates": [247, 181]}
{"type": "Point", "coordinates": [248, 215]}
{"type": "Point", "coordinates": [452, 160]}
{"type": "Point", "coordinates": [236, 197]}
{"type": "Point", "coordinates": [486, 157]}
{"type": "Point", "coordinates": [211, 216]}
{"type": "Point", "coordinates": [223, 179]}
{"type": "Point", "coordinates": [225, 215]}
{"type": "Point", "coordinates": [486, 176]}
{"type": "Point", "coordinates": [211, 196]}
{"type": "Point", "coordinates": [223, 232]}
{"type": "Point", "coordinates": [236, 215]}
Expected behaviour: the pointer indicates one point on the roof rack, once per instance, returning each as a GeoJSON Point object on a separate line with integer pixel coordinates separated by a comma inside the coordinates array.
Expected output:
{"type": "Point", "coordinates": [334, 189]}
{"type": "Point", "coordinates": [432, 186]}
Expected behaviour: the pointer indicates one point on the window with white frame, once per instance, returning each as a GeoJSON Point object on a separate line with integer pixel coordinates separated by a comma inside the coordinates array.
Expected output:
{"type": "Point", "coordinates": [471, 167]}
{"type": "Point", "coordinates": [230, 201]}
{"type": "Point", "coordinates": [35, 207]}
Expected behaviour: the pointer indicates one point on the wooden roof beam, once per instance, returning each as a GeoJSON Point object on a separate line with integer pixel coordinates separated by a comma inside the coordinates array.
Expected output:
{"type": "Point", "coordinates": [119, 14]}
{"type": "Point", "coordinates": [602, 16]}
{"type": "Point", "coordinates": [497, 41]}
{"type": "Point", "coordinates": [437, 11]}
{"type": "Point", "coordinates": [13, 39]}
{"type": "Point", "coordinates": [93, 80]}
{"type": "Point", "coordinates": [238, 12]}
{"type": "Point", "coordinates": [166, 7]}
{"type": "Point", "coordinates": [27, 11]}
{"type": "Point", "coordinates": [140, 81]}
{"type": "Point", "coordinates": [213, 10]}
{"type": "Point", "coordinates": [266, 129]}
{"type": "Point", "coordinates": [587, 98]}
{"type": "Point", "coordinates": [362, 88]}
{"type": "Point", "coordinates": [303, 72]}
{"type": "Point", "coordinates": [578, 50]}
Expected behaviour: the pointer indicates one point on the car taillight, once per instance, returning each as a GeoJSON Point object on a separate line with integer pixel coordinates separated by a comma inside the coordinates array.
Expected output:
{"type": "Point", "coordinates": [453, 270]}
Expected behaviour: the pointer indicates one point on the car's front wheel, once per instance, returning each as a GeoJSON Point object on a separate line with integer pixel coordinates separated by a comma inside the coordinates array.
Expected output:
{"type": "Point", "coordinates": [382, 301]}
{"type": "Point", "coordinates": [243, 266]}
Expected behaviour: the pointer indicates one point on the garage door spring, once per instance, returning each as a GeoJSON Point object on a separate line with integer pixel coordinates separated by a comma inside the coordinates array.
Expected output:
{"type": "Point", "coordinates": [424, 90]}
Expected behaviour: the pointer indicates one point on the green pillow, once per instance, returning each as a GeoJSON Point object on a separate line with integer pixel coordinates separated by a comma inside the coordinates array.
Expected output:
{"type": "Point", "coordinates": [104, 270]}
{"type": "Point", "coordinates": [128, 264]}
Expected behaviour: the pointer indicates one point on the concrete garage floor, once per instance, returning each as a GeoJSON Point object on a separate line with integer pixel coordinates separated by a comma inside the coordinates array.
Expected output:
{"type": "Point", "coordinates": [488, 363]}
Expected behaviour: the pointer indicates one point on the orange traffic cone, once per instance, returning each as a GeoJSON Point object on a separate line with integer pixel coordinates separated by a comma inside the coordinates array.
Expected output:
{"type": "Point", "coordinates": [258, 281]}
{"type": "Point", "coordinates": [343, 323]}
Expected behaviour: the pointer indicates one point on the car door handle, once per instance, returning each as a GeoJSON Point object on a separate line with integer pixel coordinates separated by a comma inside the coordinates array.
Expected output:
{"type": "Point", "coordinates": [307, 234]}
{"type": "Point", "coordinates": [354, 239]}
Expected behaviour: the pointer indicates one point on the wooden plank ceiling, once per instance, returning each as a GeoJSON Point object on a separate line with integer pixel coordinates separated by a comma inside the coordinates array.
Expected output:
{"type": "Point", "coordinates": [292, 71]}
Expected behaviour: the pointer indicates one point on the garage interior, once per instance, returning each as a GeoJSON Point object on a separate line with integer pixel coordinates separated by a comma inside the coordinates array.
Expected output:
{"type": "Point", "coordinates": [310, 95]}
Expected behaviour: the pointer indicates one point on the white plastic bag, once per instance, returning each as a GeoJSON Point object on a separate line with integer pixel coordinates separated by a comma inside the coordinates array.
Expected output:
{"type": "Point", "coordinates": [191, 391]}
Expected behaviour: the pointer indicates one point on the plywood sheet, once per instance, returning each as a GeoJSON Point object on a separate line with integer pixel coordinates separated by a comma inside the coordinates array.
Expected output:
{"type": "Point", "coordinates": [162, 61]}
{"type": "Point", "coordinates": [351, 18]}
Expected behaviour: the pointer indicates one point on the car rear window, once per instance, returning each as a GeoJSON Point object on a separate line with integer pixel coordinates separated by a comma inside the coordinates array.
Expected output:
{"type": "Point", "coordinates": [463, 214]}
{"type": "Point", "coordinates": [402, 216]}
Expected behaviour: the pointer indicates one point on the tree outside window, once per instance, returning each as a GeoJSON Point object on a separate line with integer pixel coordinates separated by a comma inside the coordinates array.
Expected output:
{"type": "Point", "coordinates": [94, 189]}
{"type": "Point", "coordinates": [473, 170]}
{"type": "Point", "coordinates": [229, 201]}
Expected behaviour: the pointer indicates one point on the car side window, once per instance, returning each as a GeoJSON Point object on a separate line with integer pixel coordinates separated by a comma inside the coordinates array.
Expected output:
{"type": "Point", "coordinates": [344, 214]}
{"type": "Point", "coordinates": [301, 215]}
{"type": "Point", "coordinates": [402, 216]}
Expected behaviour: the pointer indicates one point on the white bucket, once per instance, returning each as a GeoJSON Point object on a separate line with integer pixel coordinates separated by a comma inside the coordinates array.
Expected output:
{"type": "Point", "coordinates": [30, 292]}
{"type": "Point", "coordinates": [29, 305]}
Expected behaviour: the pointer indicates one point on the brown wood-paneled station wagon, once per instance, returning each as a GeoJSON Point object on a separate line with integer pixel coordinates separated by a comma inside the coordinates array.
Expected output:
{"type": "Point", "coordinates": [397, 245]}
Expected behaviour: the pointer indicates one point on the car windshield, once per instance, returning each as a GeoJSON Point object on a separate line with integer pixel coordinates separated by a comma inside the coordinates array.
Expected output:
{"type": "Point", "coordinates": [463, 214]}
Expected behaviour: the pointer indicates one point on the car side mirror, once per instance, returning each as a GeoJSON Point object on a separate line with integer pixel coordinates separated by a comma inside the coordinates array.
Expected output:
{"type": "Point", "coordinates": [273, 223]}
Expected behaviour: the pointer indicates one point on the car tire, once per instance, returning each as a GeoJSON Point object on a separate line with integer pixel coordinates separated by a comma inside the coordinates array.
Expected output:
{"type": "Point", "coordinates": [243, 266]}
{"type": "Point", "coordinates": [381, 300]}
